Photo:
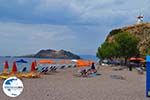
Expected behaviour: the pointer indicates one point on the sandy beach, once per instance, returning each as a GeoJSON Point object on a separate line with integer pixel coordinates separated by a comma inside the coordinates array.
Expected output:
{"type": "Point", "coordinates": [64, 85]}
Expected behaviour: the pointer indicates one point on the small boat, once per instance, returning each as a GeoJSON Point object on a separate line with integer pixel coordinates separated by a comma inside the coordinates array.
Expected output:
{"type": "Point", "coordinates": [21, 61]}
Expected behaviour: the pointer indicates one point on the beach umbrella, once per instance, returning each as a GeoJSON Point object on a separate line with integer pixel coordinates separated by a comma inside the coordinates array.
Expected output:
{"type": "Point", "coordinates": [46, 61]}
{"type": "Point", "coordinates": [132, 58]}
{"type": "Point", "coordinates": [136, 59]}
{"type": "Point", "coordinates": [64, 62]}
{"type": "Point", "coordinates": [6, 66]}
{"type": "Point", "coordinates": [35, 63]}
{"type": "Point", "coordinates": [14, 68]}
{"type": "Point", "coordinates": [140, 59]}
{"type": "Point", "coordinates": [61, 62]}
{"type": "Point", "coordinates": [33, 67]}
{"type": "Point", "coordinates": [83, 63]}
{"type": "Point", "coordinates": [68, 62]}
{"type": "Point", "coordinates": [90, 62]}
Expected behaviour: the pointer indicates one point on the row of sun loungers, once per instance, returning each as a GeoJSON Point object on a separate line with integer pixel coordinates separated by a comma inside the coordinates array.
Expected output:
{"type": "Point", "coordinates": [52, 68]}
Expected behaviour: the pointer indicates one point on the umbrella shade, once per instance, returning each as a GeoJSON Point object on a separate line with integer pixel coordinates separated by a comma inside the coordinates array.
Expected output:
{"type": "Point", "coordinates": [84, 63]}
{"type": "Point", "coordinates": [6, 66]}
{"type": "Point", "coordinates": [14, 68]}
{"type": "Point", "coordinates": [64, 62]}
{"type": "Point", "coordinates": [61, 62]}
{"type": "Point", "coordinates": [33, 67]}
{"type": "Point", "coordinates": [141, 59]}
{"type": "Point", "coordinates": [46, 62]}
{"type": "Point", "coordinates": [132, 58]}
{"type": "Point", "coordinates": [68, 62]}
{"type": "Point", "coordinates": [136, 59]}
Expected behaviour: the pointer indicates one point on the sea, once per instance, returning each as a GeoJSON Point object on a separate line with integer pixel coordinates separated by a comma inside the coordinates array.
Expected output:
{"type": "Point", "coordinates": [20, 66]}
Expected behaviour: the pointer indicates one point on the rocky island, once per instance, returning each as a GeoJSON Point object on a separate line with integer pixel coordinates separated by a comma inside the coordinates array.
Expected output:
{"type": "Point", "coordinates": [54, 54]}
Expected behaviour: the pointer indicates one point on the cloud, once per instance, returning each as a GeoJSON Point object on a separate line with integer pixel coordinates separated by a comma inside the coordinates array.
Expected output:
{"type": "Point", "coordinates": [71, 12]}
{"type": "Point", "coordinates": [34, 36]}
{"type": "Point", "coordinates": [26, 38]}
{"type": "Point", "coordinates": [36, 31]}
{"type": "Point", "coordinates": [78, 25]}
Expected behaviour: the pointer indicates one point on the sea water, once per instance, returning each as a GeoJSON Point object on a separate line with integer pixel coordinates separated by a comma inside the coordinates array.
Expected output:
{"type": "Point", "coordinates": [20, 66]}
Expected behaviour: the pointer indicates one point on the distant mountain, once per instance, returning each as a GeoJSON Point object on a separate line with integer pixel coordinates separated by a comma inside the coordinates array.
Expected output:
{"type": "Point", "coordinates": [49, 53]}
{"type": "Point", "coordinates": [5, 56]}
{"type": "Point", "coordinates": [89, 57]}
{"type": "Point", "coordinates": [26, 56]}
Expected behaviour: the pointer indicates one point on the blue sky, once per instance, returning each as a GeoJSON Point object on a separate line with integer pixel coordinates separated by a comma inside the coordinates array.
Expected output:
{"type": "Point", "coordinates": [26, 26]}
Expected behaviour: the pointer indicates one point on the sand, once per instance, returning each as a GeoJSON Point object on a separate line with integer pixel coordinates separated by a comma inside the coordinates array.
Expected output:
{"type": "Point", "coordinates": [65, 86]}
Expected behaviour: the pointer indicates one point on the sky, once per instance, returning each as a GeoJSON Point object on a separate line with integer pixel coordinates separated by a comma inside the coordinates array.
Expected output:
{"type": "Point", "coordinates": [80, 26]}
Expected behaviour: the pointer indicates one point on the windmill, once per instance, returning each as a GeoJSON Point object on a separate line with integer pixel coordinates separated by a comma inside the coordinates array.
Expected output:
{"type": "Point", "coordinates": [140, 19]}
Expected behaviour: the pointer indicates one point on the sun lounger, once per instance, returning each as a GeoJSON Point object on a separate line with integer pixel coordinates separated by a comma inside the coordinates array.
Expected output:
{"type": "Point", "coordinates": [69, 66]}
{"type": "Point", "coordinates": [24, 69]}
{"type": "Point", "coordinates": [44, 69]}
{"type": "Point", "coordinates": [62, 67]}
{"type": "Point", "coordinates": [54, 69]}
{"type": "Point", "coordinates": [140, 70]}
{"type": "Point", "coordinates": [50, 68]}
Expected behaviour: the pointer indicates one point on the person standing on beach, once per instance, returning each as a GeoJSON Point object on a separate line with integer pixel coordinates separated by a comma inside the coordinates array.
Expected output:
{"type": "Point", "coordinates": [93, 66]}
{"type": "Point", "coordinates": [93, 69]}
{"type": "Point", "coordinates": [130, 66]}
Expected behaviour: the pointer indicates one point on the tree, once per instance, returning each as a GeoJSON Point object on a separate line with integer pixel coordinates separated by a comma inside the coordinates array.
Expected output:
{"type": "Point", "coordinates": [107, 50]}
{"type": "Point", "coordinates": [127, 45]}
{"type": "Point", "coordinates": [123, 46]}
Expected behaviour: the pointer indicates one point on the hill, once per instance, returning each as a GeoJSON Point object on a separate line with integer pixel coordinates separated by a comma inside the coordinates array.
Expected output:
{"type": "Point", "coordinates": [142, 31]}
